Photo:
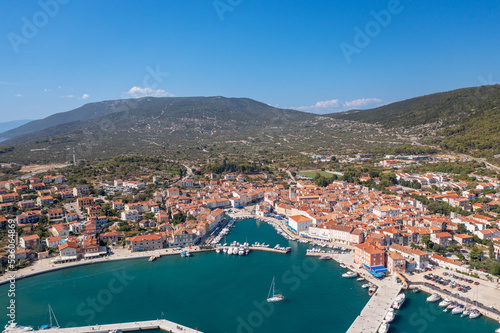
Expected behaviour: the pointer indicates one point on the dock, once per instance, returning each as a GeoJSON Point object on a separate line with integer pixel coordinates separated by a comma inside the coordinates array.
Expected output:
{"type": "Point", "coordinates": [162, 324]}
{"type": "Point", "coordinates": [375, 310]}
{"type": "Point", "coordinates": [268, 249]}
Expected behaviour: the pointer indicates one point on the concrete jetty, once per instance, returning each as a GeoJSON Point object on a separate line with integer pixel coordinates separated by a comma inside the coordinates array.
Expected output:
{"type": "Point", "coordinates": [375, 310]}
{"type": "Point", "coordinates": [162, 324]}
{"type": "Point", "coordinates": [268, 249]}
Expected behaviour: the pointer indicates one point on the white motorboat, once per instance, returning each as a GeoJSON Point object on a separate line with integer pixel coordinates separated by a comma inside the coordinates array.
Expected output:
{"type": "Point", "coordinates": [433, 298]}
{"type": "Point", "coordinates": [15, 328]}
{"type": "Point", "coordinates": [458, 309]}
{"type": "Point", "coordinates": [217, 250]}
{"type": "Point", "coordinates": [272, 297]}
{"type": "Point", "coordinates": [474, 314]}
{"type": "Point", "coordinates": [152, 258]}
{"type": "Point", "coordinates": [343, 265]}
{"type": "Point", "coordinates": [384, 327]}
{"type": "Point", "coordinates": [350, 274]}
{"type": "Point", "coordinates": [398, 302]}
{"type": "Point", "coordinates": [444, 303]}
{"type": "Point", "coordinates": [391, 314]}
{"type": "Point", "coordinates": [367, 285]}
{"type": "Point", "coordinates": [241, 251]}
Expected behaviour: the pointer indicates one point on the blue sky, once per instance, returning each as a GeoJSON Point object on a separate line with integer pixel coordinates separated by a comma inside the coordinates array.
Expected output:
{"type": "Point", "coordinates": [284, 53]}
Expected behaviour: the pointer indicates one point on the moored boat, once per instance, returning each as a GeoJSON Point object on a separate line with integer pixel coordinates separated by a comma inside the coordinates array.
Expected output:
{"type": "Point", "coordinates": [398, 302]}
{"type": "Point", "coordinates": [433, 298]}
{"type": "Point", "coordinates": [15, 328]}
{"type": "Point", "coordinates": [474, 314]}
{"type": "Point", "coordinates": [391, 314]}
{"type": "Point", "coordinates": [458, 309]}
{"type": "Point", "coordinates": [444, 303]}
{"type": "Point", "coordinates": [384, 327]}
{"type": "Point", "coordinates": [350, 274]}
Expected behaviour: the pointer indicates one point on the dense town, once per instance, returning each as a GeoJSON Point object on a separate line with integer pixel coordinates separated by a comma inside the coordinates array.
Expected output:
{"type": "Point", "coordinates": [392, 228]}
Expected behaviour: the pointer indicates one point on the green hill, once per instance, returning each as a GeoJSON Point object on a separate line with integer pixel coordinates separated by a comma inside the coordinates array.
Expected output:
{"type": "Point", "coordinates": [464, 120]}
{"type": "Point", "coordinates": [186, 127]}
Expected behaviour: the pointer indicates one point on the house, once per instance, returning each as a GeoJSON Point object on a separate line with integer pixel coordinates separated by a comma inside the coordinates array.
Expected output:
{"type": "Point", "coordinates": [9, 197]}
{"type": "Point", "coordinates": [81, 191]}
{"type": "Point", "coordinates": [369, 254]}
{"type": "Point", "coordinates": [130, 215]}
{"type": "Point", "coordinates": [298, 223]}
{"type": "Point", "coordinates": [71, 217]}
{"type": "Point", "coordinates": [395, 262]}
{"type": "Point", "coordinates": [463, 239]}
{"type": "Point", "coordinates": [442, 238]}
{"type": "Point", "coordinates": [487, 233]}
{"type": "Point", "coordinates": [26, 204]}
{"type": "Point", "coordinates": [182, 237]}
{"type": "Point", "coordinates": [59, 179]}
{"type": "Point", "coordinates": [386, 211]}
{"type": "Point", "coordinates": [111, 237]}
{"type": "Point", "coordinates": [444, 262]}
{"type": "Point", "coordinates": [93, 210]}
{"type": "Point", "coordinates": [84, 202]}
{"type": "Point", "coordinates": [45, 201]}
{"type": "Point", "coordinates": [55, 213]}
{"type": "Point", "coordinates": [28, 217]}
{"type": "Point", "coordinates": [28, 242]}
{"type": "Point", "coordinates": [60, 230]}
{"type": "Point", "coordinates": [37, 186]}
{"type": "Point", "coordinates": [68, 251]}
{"type": "Point", "coordinates": [145, 242]}
{"type": "Point", "coordinates": [53, 242]}
{"type": "Point", "coordinates": [118, 205]}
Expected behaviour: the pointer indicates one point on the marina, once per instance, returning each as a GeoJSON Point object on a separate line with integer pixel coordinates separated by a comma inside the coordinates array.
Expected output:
{"type": "Point", "coordinates": [204, 277]}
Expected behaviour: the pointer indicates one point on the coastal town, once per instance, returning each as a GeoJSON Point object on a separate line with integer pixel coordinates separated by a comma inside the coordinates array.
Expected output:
{"type": "Point", "coordinates": [391, 231]}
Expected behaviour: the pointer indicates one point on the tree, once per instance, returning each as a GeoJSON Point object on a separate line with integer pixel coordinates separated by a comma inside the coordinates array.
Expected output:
{"type": "Point", "coordinates": [491, 250]}
{"type": "Point", "coordinates": [476, 254]}
{"type": "Point", "coordinates": [461, 228]}
{"type": "Point", "coordinates": [426, 239]}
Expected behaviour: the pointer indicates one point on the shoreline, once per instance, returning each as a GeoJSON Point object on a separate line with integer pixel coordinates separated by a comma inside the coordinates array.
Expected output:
{"type": "Point", "coordinates": [55, 267]}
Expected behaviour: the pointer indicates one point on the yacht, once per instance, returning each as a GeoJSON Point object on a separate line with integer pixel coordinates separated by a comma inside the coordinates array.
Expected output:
{"type": "Point", "coordinates": [458, 309]}
{"type": "Point", "coordinates": [241, 251]}
{"type": "Point", "coordinates": [272, 297]}
{"type": "Point", "coordinates": [444, 303]}
{"type": "Point", "coordinates": [217, 250]}
{"type": "Point", "coordinates": [52, 315]}
{"type": "Point", "coordinates": [384, 327]}
{"type": "Point", "coordinates": [433, 298]}
{"type": "Point", "coordinates": [15, 328]}
{"type": "Point", "coordinates": [350, 274]}
{"type": "Point", "coordinates": [224, 249]}
{"type": "Point", "coordinates": [398, 302]}
{"type": "Point", "coordinates": [474, 314]}
{"type": "Point", "coordinates": [466, 312]}
{"type": "Point", "coordinates": [389, 317]}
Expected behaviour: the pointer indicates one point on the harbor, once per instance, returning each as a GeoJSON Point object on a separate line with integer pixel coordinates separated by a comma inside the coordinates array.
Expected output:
{"type": "Point", "coordinates": [163, 284]}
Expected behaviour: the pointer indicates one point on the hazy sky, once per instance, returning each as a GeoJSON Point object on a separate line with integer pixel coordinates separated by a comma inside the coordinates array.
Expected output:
{"type": "Point", "coordinates": [320, 56]}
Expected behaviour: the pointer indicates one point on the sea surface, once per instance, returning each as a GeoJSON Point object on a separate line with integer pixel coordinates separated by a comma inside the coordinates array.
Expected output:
{"type": "Point", "coordinates": [219, 293]}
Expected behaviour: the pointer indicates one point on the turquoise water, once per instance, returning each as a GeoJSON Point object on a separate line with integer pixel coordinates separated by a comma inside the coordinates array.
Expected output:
{"type": "Point", "coordinates": [216, 293]}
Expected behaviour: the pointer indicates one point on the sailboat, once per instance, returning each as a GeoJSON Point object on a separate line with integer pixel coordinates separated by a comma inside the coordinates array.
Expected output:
{"type": "Point", "coordinates": [275, 297]}
{"type": "Point", "coordinates": [50, 326]}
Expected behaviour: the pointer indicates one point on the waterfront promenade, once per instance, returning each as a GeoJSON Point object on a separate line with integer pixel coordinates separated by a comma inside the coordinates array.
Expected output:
{"type": "Point", "coordinates": [46, 265]}
{"type": "Point", "coordinates": [162, 324]}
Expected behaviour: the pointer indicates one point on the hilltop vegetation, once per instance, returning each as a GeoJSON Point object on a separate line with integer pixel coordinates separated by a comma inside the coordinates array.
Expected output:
{"type": "Point", "coordinates": [465, 120]}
